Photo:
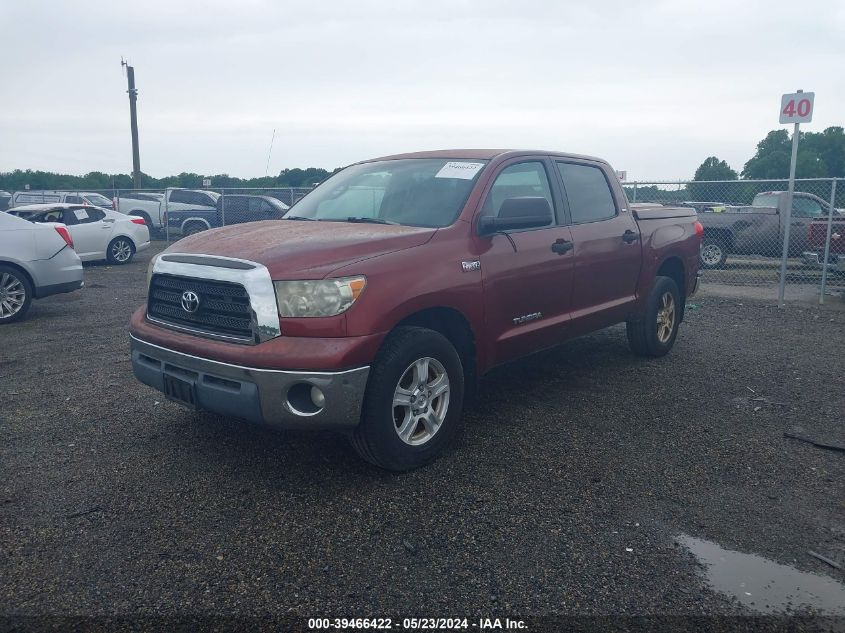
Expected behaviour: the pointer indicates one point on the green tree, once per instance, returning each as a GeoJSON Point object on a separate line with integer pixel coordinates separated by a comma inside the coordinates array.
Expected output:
{"type": "Point", "coordinates": [712, 169]}
{"type": "Point", "coordinates": [820, 155]}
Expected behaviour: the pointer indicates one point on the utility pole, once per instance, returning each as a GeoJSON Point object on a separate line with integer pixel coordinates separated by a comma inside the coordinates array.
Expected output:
{"type": "Point", "coordinates": [133, 118]}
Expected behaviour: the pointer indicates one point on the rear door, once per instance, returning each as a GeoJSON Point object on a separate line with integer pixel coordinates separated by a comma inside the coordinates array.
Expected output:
{"type": "Point", "coordinates": [608, 253]}
{"type": "Point", "coordinates": [527, 279]}
{"type": "Point", "coordinates": [89, 232]}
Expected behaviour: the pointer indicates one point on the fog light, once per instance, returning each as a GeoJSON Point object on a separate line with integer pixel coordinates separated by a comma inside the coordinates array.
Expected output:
{"type": "Point", "coordinates": [318, 398]}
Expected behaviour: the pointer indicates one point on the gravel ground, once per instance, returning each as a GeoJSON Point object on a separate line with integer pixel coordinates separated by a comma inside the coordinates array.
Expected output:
{"type": "Point", "coordinates": [574, 471]}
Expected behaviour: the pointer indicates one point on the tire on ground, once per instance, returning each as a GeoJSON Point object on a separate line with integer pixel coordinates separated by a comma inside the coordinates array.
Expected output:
{"type": "Point", "coordinates": [376, 438]}
{"type": "Point", "coordinates": [110, 251]}
{"type": "Point", "coordinates": [718, 247]}
{"type": "Point", "coordinates": [13, 278]}
{"type": "Point", "coordinates": [643, 331]}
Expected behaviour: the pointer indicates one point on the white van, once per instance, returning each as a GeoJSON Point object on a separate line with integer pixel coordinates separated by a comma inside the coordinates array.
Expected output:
{"type": "Point", "coordinates": [20, 198]}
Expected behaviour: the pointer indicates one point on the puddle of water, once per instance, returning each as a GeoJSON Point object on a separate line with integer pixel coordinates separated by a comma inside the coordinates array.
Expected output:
{"type": "Point", "coordinates": [764, 585]}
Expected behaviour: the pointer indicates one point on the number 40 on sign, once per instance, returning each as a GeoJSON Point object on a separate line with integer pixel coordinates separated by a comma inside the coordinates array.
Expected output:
{"type": "Point", "coordinates": [797, 107]}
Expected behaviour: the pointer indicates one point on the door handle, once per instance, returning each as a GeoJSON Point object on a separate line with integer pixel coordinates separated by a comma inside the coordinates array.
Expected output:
{"type": "Point", "coordinates": [630, 236]}
{"type": "Point", "coordinates": [562, 246]}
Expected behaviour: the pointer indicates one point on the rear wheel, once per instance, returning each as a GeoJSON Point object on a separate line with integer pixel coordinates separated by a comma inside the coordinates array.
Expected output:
{"type": "Point", "coordinates": [120, 250]}
{"type": "Point", "coordinates": [714, 252]}
{"type": "Point", "coordinates": [412, 405]}
{"type": "Point", "coordinates": [653, 334]}
{"type": "Point", "coordinates": [15, 295]}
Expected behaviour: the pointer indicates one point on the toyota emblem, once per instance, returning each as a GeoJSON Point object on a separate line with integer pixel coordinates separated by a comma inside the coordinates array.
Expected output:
{"type": "Point", "coordinates": [190, 301]}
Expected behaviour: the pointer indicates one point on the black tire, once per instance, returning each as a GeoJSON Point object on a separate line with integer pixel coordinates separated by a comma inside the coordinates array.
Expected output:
{"type": "Point", "coordinates": [11, 279]}
{"type": "Point", "coordinates": [644, 332]}
{"type": "Point", "coordinates": [116, 249]}
{"type": "Point", "coordinates": [714, 252]}
{"type": "Point", "coordinates": [376, 439]}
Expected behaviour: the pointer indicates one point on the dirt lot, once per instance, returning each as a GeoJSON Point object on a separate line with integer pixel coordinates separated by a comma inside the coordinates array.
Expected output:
{"type": "Point", "coordinates": [574, 472]}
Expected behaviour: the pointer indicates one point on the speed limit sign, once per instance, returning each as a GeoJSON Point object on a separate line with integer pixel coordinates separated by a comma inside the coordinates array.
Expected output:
{"type": "Point", "coordinates": [797, 107]}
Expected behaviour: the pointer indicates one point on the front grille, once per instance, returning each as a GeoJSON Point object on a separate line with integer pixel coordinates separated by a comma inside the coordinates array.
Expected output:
{"type": "Point", "coordinates": [224, 307]}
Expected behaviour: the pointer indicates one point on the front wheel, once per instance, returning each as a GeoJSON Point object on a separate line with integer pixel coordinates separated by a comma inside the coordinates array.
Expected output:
{"type": "Point", "coordinates": [413, 401]}
{"type": "Point", "coordinates": [15, 295]}
{"type": "Point", "coordinates": [653, 334]}
{"type": "Point", "coordinates": [120, 250]}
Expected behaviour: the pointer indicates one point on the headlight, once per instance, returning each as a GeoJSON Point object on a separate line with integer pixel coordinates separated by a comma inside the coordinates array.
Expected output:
{"type": "Point", "coordinates": [320, 298]}
{"type": "Point", "coordinates": [150, 268]}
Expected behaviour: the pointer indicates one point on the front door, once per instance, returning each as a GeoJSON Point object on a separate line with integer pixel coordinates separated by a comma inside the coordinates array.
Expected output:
{"type": "Point", "coordinates": [527, 274]}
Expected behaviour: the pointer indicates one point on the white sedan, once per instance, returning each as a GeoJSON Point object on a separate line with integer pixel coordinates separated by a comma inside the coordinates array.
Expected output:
{"type": "Point", "coordinates": [97, 233]}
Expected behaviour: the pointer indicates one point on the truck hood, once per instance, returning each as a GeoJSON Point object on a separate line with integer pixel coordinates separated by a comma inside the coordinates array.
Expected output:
{"type": "Point", "coordinates": [293, 249]}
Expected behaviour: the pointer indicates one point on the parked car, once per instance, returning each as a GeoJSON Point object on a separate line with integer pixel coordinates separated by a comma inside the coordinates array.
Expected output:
{"type": "Point", "coordinates": [98, 233]}
{"type": "Point", "coordinates": [5, 199]}
{"type": "Point", "coordinates": [374, 314]}
{"type": "Point", "coordinates": [152, 207]}
{"type": "Point", "coordinates": [230, 209]}
{"type": "Point", "coordinates": [816, 238]}
{"type": "Point", "coordinates": [36, 261]}
{"type": "Point", "coordinates": [759, 229]}
{"type": "Point", "coordinates": [21, 198]}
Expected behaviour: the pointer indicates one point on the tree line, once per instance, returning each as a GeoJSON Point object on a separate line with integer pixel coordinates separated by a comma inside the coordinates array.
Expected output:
{"type": "Point", "coordinates": [820, 155]}
{"type": "Point", "coordinates": [101, 181]}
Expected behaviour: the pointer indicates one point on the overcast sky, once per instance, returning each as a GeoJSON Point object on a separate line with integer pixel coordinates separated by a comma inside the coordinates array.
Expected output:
{"type": "Point", "coordinates": [654, 87]}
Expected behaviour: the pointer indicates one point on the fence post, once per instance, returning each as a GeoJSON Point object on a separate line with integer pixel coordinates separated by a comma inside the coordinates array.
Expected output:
{"type": "Point", "coordinates": [635, 192]}
{"type": "Point", "coordinates": [827, 240]}
{"type": "Point", "coordinates": [222, 206]}
{"type": "Point", "coordinates": [166, 218]}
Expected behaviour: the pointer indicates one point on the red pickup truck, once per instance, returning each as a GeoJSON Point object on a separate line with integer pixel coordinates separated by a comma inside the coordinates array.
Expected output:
{"type": "Point", "coordinates": [375, 304]}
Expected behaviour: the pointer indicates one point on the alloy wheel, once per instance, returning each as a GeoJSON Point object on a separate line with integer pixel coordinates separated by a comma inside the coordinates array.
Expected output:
{"type": "Point", "coordinates": [421, 401]}
{"type": "Point", "coordinates": [665, 317]}
{"type": "Point", "coordinates": [12, 295]}
{"type": "Point", "coordinates": [121, 251]}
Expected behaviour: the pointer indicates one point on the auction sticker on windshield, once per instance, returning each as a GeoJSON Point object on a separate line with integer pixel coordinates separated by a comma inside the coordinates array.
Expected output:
{"type": "Point", "coordinates": [459, 169]}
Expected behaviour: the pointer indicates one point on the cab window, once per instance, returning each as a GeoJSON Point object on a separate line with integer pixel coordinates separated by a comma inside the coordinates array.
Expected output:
{"type": "Point", "coordinates": [517, 181]}
{"type": "Point", "coordinates": [587, 191]}
{"type": "Point", "coordinates": [806, 208]}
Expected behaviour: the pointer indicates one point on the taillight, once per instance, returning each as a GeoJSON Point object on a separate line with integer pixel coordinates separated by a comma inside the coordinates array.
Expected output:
{"type": "Point", "coordinates": [65, 235]}
{"type": "Point", "coordinates": [138, 221]}
{"type": "Point", "coordinates": [699, 229]}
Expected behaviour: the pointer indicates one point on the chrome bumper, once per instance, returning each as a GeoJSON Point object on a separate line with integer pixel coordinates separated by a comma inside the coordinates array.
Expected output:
{"type": "Point", "coordinates": [273, 397]}
{"type": "Point", "coordinates": [834, 262]}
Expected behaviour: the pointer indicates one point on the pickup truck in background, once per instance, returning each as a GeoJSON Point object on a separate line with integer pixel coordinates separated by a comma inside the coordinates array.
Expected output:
{"type": "Point", "coordinates": [151, 206]}
{"type": "Point", "coordinates": [229, 209]}
{"type": "Point", "coordinates": [816, 239]}
{"type": "Point", "coordinates": [758, 229]}
{"type": "Point", "coordinates": [373, 307]}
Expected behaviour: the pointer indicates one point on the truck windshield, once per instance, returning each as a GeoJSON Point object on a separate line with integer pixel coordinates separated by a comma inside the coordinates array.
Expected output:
{"type": "Point", "coordinates": [413, 191]}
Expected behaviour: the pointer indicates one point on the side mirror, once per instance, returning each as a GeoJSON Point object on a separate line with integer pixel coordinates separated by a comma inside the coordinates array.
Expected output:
{"type": "Point", "coordinates": [525, 212]}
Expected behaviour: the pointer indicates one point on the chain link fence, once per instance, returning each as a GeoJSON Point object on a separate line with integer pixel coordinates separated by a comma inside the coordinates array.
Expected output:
{"type": "Point", "coordinates": [746, 225]}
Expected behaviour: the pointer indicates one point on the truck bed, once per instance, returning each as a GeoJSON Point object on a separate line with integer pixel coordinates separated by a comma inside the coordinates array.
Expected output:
{"type": "Point", "coordinates": [659, 212]}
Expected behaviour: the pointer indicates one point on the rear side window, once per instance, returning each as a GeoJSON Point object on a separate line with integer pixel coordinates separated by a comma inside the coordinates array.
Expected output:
{"type": "Point", "coordinates": [588, 193]}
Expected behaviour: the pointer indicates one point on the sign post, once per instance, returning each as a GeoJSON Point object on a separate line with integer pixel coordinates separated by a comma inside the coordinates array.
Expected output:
{"type": "Point", "coordinates": [795, 108]}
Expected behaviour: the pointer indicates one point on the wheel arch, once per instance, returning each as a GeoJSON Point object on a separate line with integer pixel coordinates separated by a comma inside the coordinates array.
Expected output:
{"type": "Point", "coordinates": [454, 325]}
{"type": "Point", "coordinates": [726, 235]}
{"type": "Point", "coordinates": [673, 267]}
{"type": "Point", "coordinates": [194, 220]}
{"type": "Point", "coordinates": [26, 273]}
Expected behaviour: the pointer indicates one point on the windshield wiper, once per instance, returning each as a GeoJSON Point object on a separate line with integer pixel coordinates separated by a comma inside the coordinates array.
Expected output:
{"type": "Point", "coordinates": [364, 220]}
{"type": "Point", "coordinates": [296, 217]}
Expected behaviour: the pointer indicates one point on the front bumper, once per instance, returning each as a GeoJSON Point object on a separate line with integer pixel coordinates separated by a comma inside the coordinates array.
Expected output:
{"type": "Point", "coordinates": [835, 261]}
{"type": "Point", "coordinates": [267, 396]}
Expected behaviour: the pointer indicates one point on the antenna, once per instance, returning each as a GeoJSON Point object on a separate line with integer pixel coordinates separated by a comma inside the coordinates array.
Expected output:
{"type": "Point", "coordinates": [272, 138]}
